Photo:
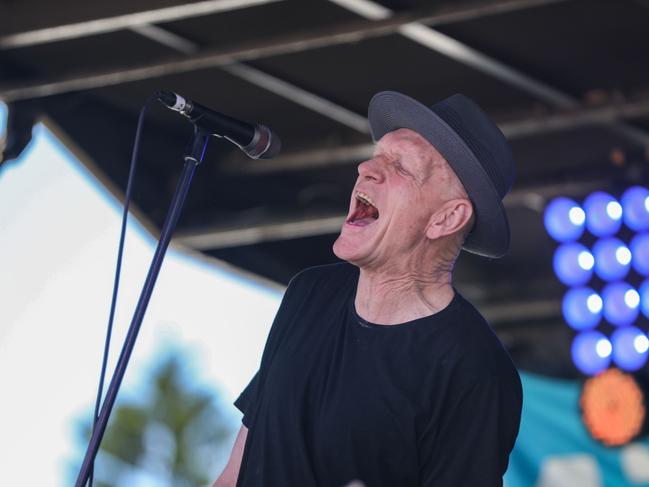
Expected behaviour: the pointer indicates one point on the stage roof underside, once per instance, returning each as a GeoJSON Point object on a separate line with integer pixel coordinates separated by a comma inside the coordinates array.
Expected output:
{"type": "Point", "coordinates": [566, 80]}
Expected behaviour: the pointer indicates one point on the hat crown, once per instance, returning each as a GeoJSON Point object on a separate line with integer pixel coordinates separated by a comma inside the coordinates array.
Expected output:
{"type": "Point", "coordinates": [474, 147]}
{"type": "Point", "coordinates": [482, 136]}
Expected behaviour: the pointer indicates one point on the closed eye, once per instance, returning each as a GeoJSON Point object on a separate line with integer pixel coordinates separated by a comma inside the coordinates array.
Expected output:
{"type": "Point", "coordinates": [401, 169]}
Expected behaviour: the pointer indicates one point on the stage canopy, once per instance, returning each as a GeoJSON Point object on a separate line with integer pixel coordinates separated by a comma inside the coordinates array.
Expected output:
{"type": "Point", "coordinates": [567, 81]}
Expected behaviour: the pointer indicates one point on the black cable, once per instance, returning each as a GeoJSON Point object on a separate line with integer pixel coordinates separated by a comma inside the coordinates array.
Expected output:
{"type": "Point", "coordinates": [118, 267]}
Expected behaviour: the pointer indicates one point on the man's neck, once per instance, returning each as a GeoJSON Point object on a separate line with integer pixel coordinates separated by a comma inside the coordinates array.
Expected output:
{"type": "Point", "coordinates": [390, 299]}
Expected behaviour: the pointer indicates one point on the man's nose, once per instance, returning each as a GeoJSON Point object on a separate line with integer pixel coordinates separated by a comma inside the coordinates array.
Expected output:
{"type": "Point", "coordinates": [371, 170]}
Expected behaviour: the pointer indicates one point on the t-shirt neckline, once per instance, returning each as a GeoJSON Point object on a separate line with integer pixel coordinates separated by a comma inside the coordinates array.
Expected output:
{"type": "Point", "coordinates": [423, 320]}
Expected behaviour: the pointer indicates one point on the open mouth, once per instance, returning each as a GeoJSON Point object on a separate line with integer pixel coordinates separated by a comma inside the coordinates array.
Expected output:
{"type": "Point", "coordinates": [364, 211]}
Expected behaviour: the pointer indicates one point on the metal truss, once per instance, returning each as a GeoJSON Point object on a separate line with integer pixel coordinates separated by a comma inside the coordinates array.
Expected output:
{"type": "Point", "coordinates": [217, 58]}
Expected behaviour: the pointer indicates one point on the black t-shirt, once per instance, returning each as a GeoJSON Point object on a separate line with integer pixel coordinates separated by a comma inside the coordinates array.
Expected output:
{"type": "Point", "coordinates": [432, 402]}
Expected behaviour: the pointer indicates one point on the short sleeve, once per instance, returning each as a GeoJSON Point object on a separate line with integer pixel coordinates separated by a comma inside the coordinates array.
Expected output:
{"type": "Point", "coordinates": [470, 443]}
{"type": "Point", "coordinates": [246, 399]}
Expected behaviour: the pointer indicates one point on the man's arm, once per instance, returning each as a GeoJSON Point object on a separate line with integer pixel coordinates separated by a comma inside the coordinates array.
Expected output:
{"type": "Point", "coordinates": [231, 471]}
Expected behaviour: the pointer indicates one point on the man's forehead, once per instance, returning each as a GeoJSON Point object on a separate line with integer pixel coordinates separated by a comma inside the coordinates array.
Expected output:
{"type": "Point", "coordinates": [407, 140]}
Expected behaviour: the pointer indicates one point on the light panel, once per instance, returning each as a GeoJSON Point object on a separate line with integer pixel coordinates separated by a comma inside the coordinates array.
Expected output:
{"type": "Point", "coordinates": [603, 257]}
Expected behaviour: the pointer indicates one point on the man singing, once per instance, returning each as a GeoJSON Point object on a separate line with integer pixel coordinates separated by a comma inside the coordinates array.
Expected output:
{"type": "Point", "coordinates": [376, 369]}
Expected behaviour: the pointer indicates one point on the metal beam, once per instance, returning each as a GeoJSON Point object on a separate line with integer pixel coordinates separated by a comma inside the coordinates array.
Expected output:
{"type": "Point", "coordinates": [298, 161]}
{"type": "Point", "coordinates": [417, 32]}
{"type": "Point", "coordinates": [166, 38]}
{"type": "Point", "coordinates": [300, 96]}
{"type": "Point", "coordinates": [468, 56]}
{"type": "Point", "coordinates": [342, 34]}
{"type": "Point", "coordinates": [275, 85]}
{"type": "Point", "coordinates": [635, 134]}
{"type": "Point", "coordinates": [426, 36]}
{"type": "Point", "coordinates": [218, 238]}
{"type": "Point", "coordinates": [603, 115]}
{"type": "Point", "coordinates": [126, 21]}
{"type": "Point", "coordinates": [526, 310]}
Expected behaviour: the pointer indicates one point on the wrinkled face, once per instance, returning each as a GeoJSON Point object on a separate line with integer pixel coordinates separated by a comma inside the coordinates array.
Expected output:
{"type": "Point", "coordinates": [397, 192]}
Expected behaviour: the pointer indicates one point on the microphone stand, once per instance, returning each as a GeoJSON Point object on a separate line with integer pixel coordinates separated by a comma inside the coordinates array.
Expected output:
{"type": "Point", "coordinates": [193, 157]}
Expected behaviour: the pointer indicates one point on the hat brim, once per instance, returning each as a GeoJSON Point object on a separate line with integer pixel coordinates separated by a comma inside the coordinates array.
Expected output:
{"type": "Point", "coordinates": [389, 111]}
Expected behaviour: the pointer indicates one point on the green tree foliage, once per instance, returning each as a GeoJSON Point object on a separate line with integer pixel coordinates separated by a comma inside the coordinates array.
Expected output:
{"type": "Point", "coordinates": [174, 436]}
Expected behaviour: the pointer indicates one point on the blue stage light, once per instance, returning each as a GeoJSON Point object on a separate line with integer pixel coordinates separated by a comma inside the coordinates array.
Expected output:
{"type": "Point", "coordinates": [630, 348]}
{"type": "Point", "coordinates": [564, 220]}
{"type": "Point", "coordinates": [582, 308]}
{"type": "Point", "coordinates": [644, 298]}
{"type": "Point", "coordinates": [621, 303]}
{"type": "Point", "coordinates": [635, 202]}
{"type": "Point", "coordinates": [603, 214]}
{"type": "Point", "coordinates": [612, 259]}
{"type": "Point", "coordinates": [591, 352]}
{"type": "Point", "coordinates": [640, 251]}
{"type": "Point", "coordinates": [573, 264]}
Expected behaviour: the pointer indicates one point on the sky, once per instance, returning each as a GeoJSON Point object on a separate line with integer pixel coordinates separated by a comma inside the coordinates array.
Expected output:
{"type": "Point", "coordinates": [59, 232]}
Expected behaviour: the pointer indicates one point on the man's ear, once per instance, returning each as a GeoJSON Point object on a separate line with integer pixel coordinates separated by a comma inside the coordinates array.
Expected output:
{"type": "Point", "coordinates": [449, 219]}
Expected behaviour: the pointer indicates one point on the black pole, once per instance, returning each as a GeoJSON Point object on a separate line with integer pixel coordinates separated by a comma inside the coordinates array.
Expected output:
{"type": "Point", "coordinates": [196, 151]}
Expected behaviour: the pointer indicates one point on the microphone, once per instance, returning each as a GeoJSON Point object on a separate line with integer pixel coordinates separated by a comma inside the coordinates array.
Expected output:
{"type": "Point", "coordinates": [256, 140]}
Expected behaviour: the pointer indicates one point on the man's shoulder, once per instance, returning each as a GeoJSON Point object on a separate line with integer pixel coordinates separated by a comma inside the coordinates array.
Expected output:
{"type": "Point", "coordinates": [482, 356]}
{"type": "Point", "coordinates": [316, 287]}
{"type": "Point", "coordinates": [325, 275]}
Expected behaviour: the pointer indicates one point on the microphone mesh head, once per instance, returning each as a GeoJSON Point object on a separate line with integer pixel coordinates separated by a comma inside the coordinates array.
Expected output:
{"type": "Point", "coordinates": [274, 147]}
{"type": "Point", "coordinates": [264, 144]}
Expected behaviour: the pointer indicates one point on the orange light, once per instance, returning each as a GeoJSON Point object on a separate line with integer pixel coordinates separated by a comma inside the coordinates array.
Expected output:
{"type": "Point", "coordinates": [613, 407]}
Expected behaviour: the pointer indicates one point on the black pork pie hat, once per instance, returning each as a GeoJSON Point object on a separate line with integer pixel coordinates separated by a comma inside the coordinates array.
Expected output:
{"type": "Point", "coordinates": [472, 144]}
